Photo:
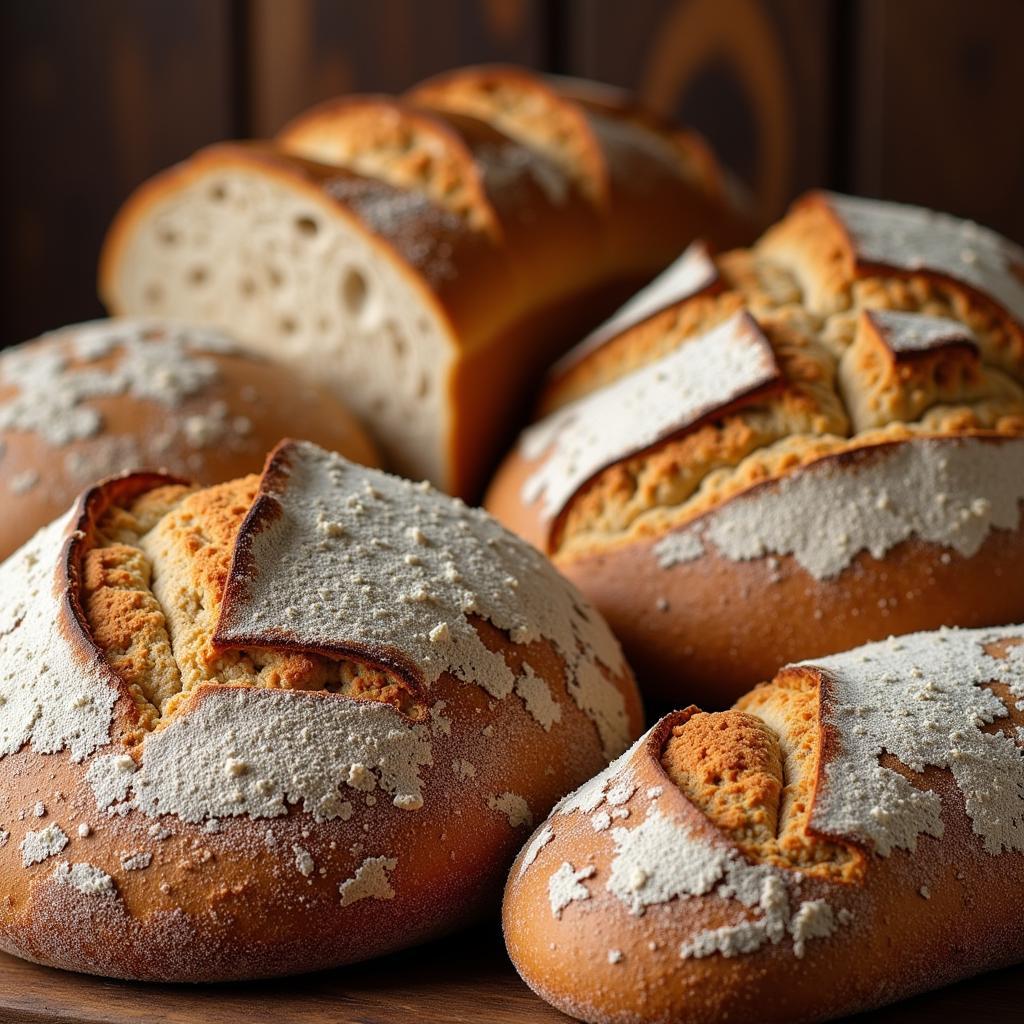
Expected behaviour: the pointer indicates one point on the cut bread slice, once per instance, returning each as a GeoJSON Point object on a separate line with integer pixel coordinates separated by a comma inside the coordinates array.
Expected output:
{"type": "Point", "coordinates": [426, 263]}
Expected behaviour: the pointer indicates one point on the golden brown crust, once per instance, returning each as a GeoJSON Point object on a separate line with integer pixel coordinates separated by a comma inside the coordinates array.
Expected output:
{"type": "Point", "coordinates": [126, 887]}
{"type": "Point", "coordinates": [520, 242]}
{"type": "Point", "coordinates": [897, 922]}
{"type": "Point", "coordinates": [871, 355]}
{"type": "Point", "coordinates": [212, 428]}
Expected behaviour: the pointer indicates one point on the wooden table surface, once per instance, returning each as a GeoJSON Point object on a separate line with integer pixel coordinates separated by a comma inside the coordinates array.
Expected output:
{"type": "Point", "coordinates": [460, 980]}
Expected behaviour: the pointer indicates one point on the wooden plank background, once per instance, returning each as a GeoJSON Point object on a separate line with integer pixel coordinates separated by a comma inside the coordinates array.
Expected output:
{"type": "Point", "coordinates": [918, 100]}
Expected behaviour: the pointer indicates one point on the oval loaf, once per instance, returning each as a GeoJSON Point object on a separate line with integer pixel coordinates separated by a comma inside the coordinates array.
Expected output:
{"type": "Point", "coordinates": [788, 450]}
{"type": "Point", "coordinates": [272, 726]}
{"type": "Point", "coordinates": [85, 402]}
{"type": "Point", "coordinates": [847, 835]}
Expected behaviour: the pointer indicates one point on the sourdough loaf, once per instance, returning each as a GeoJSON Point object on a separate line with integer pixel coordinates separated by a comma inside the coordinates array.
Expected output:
{"type": "Point", "coordinates": [426, 256]}
{"type": "Point", "coordinates": [788, 450]}
{"type": "Point", "coordinates": [96, 399]}
{"type": "Point", "coordinates": [849, 834]}
{"type": "Point", "coordinates": [281, 723]}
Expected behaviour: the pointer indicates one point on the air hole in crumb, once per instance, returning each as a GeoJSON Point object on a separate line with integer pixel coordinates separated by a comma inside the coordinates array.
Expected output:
{"type": "Point", "coordinates": [323, 324]}
{"type": "Point", "coordinates": [306, 226]}
{"type": "Point", "coordinates": [423, 386]}
{"type": "Point", "coordinates": [167, 236]}
{"type": "Point", "coordinates": [289, 325]}
{"type": "Point", "coordinates": [198, 275]}
{"type": "Point", "coordinates": [247, 286]}
{"type": "Point", "coordinates": [397, 341]}
{"type": "Point", "coordinates": [354, 292]}
{"type": "Point", "coordinates": [276, 277]}
{"type": "Point", "coordinates": [218, 192]}
{"type": "Point", "coordinates": [153, 294]}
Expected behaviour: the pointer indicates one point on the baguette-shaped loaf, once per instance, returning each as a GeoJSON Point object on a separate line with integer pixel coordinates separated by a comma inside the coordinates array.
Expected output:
{"type": "Point", "coordinates": [282, 723]}
{"type": "Point", "coordinates": [427, 257]}
{"type": "Point", "coordinates": [832, 420]}
{"type": "Point", "coordinates": [848, 835]}
{"type": "Point", "coordinates": [97, 399]}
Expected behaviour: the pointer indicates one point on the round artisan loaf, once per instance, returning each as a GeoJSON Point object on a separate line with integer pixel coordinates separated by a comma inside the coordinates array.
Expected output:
{"type": "Point", "coordinates": [849, 834]}
{"type": "Point", "coordinates": [786, 451]}
{"type": "Point", "coordinates": [282, 723]}
{"type": "Point", "coordinates": [95, 399]}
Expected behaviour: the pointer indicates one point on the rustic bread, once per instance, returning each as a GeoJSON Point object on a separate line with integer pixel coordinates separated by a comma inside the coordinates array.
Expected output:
{"type": "Point", "coordinates": [427, 256]}
{"type": "Point", "coordinates": [788, 450]}
{"type": "Point", "coordinates": [96, 399]}
{"type": "Point", "coordinates": [281, 723]}
{"type": "Point", "coordinates": [849, 834]}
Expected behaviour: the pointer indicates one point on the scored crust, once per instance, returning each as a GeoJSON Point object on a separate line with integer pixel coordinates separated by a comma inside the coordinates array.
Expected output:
{"type": "Point", "coordinates": [92, 400]}
{"type": "Point", "coordinates": [422, 261]}
{"type": "Point", "coordinates": [349, 779]}
{"type": "Point", "coordinates": [838, 824]}
{"type": "Point", "coordinates": [898, 342]}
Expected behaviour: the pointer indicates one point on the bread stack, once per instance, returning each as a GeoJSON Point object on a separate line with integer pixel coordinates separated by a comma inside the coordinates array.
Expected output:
{"type": "Point", "coordinates": [426, 256]}
{"type": "Point", "coordinates": [259, 718]}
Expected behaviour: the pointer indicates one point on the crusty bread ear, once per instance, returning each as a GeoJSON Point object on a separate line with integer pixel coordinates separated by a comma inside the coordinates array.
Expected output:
{"type": "Point", "coordinates": [427, 258]}
{"type": "Point", "coordinates": [848, 835]}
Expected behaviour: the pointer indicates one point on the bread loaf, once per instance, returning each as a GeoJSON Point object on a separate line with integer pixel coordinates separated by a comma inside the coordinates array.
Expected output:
{"type": "Point", "coordinates": [791, 449]}
{"type": "Point", "coordinates": [96, 399]}
{"type": "Point", "coordinates": [427, 257]}
{"type": "Point", "coordinates": [849, 834]}
{"type": "Point", "coordinates": [282, 723]}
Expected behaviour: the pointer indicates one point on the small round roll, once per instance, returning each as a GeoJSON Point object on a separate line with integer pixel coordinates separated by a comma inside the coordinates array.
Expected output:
{"type": "Point", "coordinates": [850, 834]}
{"type": "Point", "coordinates": [782, 452]}
{"type": "Point", "coordinates": [283, 723]}
{"type": "Point", "coordinates": [99, 398]}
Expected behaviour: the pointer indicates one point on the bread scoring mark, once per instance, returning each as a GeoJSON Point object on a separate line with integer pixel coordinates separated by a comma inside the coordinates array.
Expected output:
{"type": "Point", "coordinates": [907, 335]}
{"type": "Point", "coordinates": [668, 856]}
{"type": "Point", "coordinates": [56, 692]}
{"type": "Point", "coordinates": [705, 375]}
{"type": "Point", "coordinates": [911, 238]}
{"type": "Point", "coordinates": [408, 148]}
{"type": "Point", "coordinates": [949, 491]}
{"type": "Point", "coordinates": [924, 699]}
{"type": "Point", "coordinates": [693, 273]}
{"type": "Point", "coordinates": [387, 587]}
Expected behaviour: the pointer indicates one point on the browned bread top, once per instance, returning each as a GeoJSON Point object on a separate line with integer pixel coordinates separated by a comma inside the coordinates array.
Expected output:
{"type": "Point", "coordinates": [848, 325]}
{"type": "Point", "coordinates": [99, 398]}
{"type": "Point", "coordinates": [853, 812]}
{"type": "Point", "coordinates": [324, 662]}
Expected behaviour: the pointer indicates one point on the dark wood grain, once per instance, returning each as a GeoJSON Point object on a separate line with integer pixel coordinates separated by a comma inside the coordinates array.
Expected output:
{"type": "Point", "coordinates": [937, 108]}
{"type": "Point", "coordinates": [755, 76]}
{"type": "Point", "coordinates": [96, 97]}
{"type": "Point", "coordinates": [463, 980]}
{"type": "Point", "coordinates": [307, 50]}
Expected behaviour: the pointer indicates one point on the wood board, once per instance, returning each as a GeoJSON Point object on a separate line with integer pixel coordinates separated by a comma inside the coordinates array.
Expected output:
{"type": "Point", "coordinates": [460, 980]}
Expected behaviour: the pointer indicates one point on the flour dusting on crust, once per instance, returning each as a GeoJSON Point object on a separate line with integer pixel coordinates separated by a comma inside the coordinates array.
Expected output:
{"type": "Point", "coordinates": [922, 698]}
{"type": "Point", "coordinates": [947, 491]}
{"type": "Point", "coordinates": [296, 747]}
{"type": "Point", "coordinates": [692, 272]}
{"type": "Point", "coordinates": [913, 238]}
{"type": "Point", "coordinates": [406, 595]}
{"type": "Point", "coordinates": [50, 696]}
{"type": "Point", "coordinates": [370, 881]}
{"type": "Point", "coordinates": [641, 408]}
